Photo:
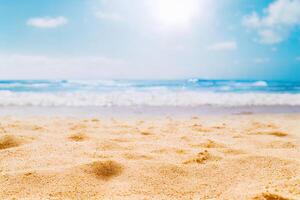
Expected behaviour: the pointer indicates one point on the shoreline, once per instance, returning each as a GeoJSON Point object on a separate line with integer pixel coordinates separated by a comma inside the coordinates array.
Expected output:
{"type": "Point", "coordinates": [144, 111]}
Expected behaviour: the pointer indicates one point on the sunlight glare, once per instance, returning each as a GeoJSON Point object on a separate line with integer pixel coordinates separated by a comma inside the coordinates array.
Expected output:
{"type": "Point", "coordinates": [177, 14]}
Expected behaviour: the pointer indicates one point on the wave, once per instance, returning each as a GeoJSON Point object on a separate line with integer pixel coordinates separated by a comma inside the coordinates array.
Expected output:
{"type": "Point", "coordinates": [250, 84]}
{"type": "Point", "coordinates": [95, 83]}
{"type": "Point", "coordinates": [22, 85]}
{"type": "Point", "coordinates": [121, 85]}
{"type": "Point", "coordinates": [229, 82]}
{"type": "Point", "coordinates": [147, 98]}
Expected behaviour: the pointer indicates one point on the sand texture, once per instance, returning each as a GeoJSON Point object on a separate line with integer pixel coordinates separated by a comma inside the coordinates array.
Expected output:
{"type": "Point", "coordinates": [234, 157]}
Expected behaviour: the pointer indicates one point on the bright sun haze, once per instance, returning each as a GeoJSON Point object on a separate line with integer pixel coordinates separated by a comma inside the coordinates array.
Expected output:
{"type": "Point", "coordinates": [176, 13]}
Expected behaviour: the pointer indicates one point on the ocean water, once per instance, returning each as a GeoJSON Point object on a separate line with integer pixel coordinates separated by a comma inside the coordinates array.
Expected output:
{"type": "Point", "coordinates": [107, 93]}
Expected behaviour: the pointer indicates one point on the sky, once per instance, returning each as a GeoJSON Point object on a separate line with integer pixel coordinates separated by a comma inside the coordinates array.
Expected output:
{"type": "Point", "coordinates": [150, 39]}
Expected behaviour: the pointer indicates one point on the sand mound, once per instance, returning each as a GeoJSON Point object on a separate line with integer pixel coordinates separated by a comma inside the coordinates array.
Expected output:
{"type": "Point", "coordinates": [146, 133]}
{"type": "Point", "coordinates": [273, 133]}
{"type": "Point", "coordinates": [259, 125]}
{"type": "Point", "coordinates": [269, 196]}
{"type": "Point", "coordinates": [278, 134]}
{"type": "Point", "coordinates": [95, 120]}
{"type": "Point", "coordinates": [9, 141]}
{"type": "Point", "coordinates": [200, 128]}
{"type": "Point", "coordinates": [280, 145]}
{"type": "Point", "coordinates": [121, 140]}
{"type": "Point", "coordinates": [201, 158]}
{"type": "Point", "coordinates": [78, 137]}
{"type": "Point", "coordinates": [106, 169]}
{"type": "Point", "coordinates": [211, 144]}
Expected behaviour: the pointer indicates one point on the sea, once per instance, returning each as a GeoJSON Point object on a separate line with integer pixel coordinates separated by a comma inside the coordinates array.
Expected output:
{"type": "Point", "coordinates": [171, 93]}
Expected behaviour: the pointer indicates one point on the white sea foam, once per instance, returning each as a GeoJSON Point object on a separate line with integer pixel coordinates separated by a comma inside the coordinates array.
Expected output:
{"type": "Point", "coordinates": [99, 83]}
{"type": "Point", "coordinates": [249, 84]}
{"type": "Point", "coordinates": [22, 85]}
{"type": "Point", "coordinates": [147, 98]}
{"type": "Point", "coordinates": [260, 84]}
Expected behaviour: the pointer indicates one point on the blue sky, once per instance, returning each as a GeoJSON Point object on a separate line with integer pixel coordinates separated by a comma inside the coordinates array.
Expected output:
{"type": "Point", "coordinates": [150, 39]}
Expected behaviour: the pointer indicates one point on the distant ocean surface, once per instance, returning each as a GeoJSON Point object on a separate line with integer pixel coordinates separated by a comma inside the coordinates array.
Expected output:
{"type": "Point", "coordinates": [106, 93]}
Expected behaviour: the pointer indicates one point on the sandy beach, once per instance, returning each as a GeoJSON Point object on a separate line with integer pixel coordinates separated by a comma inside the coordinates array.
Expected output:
{"type": "Point", "coordinates": [150, 100]}
{"type": "Point", "coordinates": [251, 157]}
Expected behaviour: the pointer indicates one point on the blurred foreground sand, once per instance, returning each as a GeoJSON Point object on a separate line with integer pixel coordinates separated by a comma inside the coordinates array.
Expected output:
{"type": "Point", "coordinates": [234, 157]}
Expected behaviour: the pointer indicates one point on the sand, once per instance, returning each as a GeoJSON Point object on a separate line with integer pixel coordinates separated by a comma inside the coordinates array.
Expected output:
{"type": "Point", "coordinates": [232, 157]}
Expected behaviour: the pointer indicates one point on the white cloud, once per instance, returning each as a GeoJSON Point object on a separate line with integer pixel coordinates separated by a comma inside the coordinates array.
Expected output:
{"type": "Point", "coordinates": [15, 66]}
{"type": "Point", "coordinates": [278, 21]}
{"type": "Point", "coordinates": [223, 46]}
{"type": "Point", "coordinates": [108, 16]}
{"type": "Point", "coordinates": [47, 22]}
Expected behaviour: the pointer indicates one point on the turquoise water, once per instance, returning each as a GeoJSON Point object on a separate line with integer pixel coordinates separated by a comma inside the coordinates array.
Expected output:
{"type": "Point", "coordinates": [191, 92]}
{"type": "Point", "coordinates": [119, 85]}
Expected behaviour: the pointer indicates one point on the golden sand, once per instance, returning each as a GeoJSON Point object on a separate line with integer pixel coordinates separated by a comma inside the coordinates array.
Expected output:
{"type": "Point", "coordinates": [238, 157]}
